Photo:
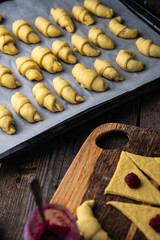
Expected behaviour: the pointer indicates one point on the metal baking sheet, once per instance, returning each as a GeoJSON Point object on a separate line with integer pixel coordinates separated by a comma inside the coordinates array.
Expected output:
{"type": "Point", "coordinates": [28, 133]}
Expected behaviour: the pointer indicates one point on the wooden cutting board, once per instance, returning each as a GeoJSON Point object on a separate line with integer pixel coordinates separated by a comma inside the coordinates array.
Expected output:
{"type": "Point", "coordinates": [92, 169]}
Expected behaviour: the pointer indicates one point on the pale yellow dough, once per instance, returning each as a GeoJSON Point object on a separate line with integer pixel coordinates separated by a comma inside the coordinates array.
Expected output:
{"type": "Point", "coordinates": [27, 67]}
{"type": "Point", "coordinates": [6, 120]}
{"type": "Point", "coordinates": [0, 17]}
{"type": "Point", "coordinates": [63, 18]}
{"type": "Point", "coordinates": [107, 70]}
{"type": "Point", "coordinates": [65, 90]}
{"type": "Point", "coordinates": [88, 225]}
{"type": "Point", "coordinates": [46, 59]}
{"type": "Point", "coordinates": [45, 98]}
{"type": "Point", "coordinates": [83, 46]}
{"type": "Point", "coordinates": [140, 215]}
{"type": "Point", "coordinates": [6, 78]}
{"type": "Point", "coordinates": [149, 165]}
{"type": "Point", "coordinates": [7, 43]}
{"type": "Point", "coordinates": [148, 48]}
{"type": "Point", "coordinates": [100, 39]}
{"type": "Point", "coordinates": [98, 9]}
{"type": "Point", "coordinates": [121, 30]}
{"type": "Point", "coordinates": [88, 78]}
{"type": "Point", "coordinates": [23, 107]}
{"type": "Point", "coordinates": [63, 51]}
{"type": "Point", "coordinates": [125, 59]}
{"type": "Point", "coordinates": [82, 15]}
{"type": "Point", "coordinates": [146, 192]}
{"type": "Point", "coordinates": [23, 31]}
{"type": "Point", "coordinates": [47, 28]}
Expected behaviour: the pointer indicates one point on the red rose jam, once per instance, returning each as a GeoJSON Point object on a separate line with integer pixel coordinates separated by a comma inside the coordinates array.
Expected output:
{"type": "Point", "coordinates": [155, 223]}
{"type": "Point", "coordinates": [132, 180]}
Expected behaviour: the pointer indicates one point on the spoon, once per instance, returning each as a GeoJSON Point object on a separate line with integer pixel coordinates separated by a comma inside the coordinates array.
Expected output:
{"type": "Point", "coordinates": [35, 188]}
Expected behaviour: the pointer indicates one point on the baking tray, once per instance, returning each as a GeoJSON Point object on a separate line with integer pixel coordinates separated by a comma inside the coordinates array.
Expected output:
{"type": "Point", "coordinates": [135, 83]}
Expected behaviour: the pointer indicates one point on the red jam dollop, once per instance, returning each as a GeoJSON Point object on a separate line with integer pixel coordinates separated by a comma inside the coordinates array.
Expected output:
{"type": "Point", "coordinates": [155, 223]}
{"type": "Point", "coordinates": [132, 180]}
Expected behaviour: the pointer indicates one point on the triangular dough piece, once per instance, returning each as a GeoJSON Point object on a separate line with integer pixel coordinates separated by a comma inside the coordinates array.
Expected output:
{"type": "Point", "coordinates": [140, 215]}
{"type": "Point", "coordinates": [147, 192]}
{"type": "Point", "coordinates": [149, 165]}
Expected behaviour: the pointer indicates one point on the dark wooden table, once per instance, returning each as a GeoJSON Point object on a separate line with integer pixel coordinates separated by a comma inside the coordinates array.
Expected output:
{"type": "Point", "coordinates": [50, 161]}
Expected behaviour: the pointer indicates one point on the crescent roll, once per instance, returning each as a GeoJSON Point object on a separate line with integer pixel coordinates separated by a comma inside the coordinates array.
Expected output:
{"type": "Point", "coordinates": [148, 48]}
{"type": "Point", "coordinates": [27, 67]}
{"type": "Point", "coordinates": [63, 51]}
{"type": "Point", "coordinates": [0, 17]}
{"type": "Point", "coordinates": [88, 78]}
{"type": "Point", "coordinates": [6, 78]}
{"type": "Point", "coordinates": [47, 28]}
{"type": "Point", "coordinates": [45, 98]}
{"type": "Point", "coordinates": [6, 120]}
{"type": "Point", "coordinates": [107, 70]}
{"type": "Point", "coordinates": [62, 17]}
{"type": "Point", "coordinates": [46, 59]}
{"type": "Point", "coordinates": [82, 15]}
{"type": "Point", "coordinates": [98, 9]}
{"type": "Point", "coordinates": [121, 30]}
{"type": "Point", "coordinates": [83, 46]}
{"type": "Point", "coordinates": [125, 59]}
{"type": "Point", "coordinates": [100, 39]}
{"type": "Point", "coordinates": [23, 31]}
{"type": "Point", "coordinates": [65, 90]}
{"type": "Point", "coordinates": [23, 107]}
{"type": "Point", "coordinates": [7, 41]}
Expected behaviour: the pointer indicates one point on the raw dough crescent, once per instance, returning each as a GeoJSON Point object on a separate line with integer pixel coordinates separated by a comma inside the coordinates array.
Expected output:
{"type": "Point", "coordinates": [140, 215]}
{"type": "Point", "coordinates": [63, 51]}
{"type": "Point", "coordinates": [23, 107]}
{"type": "Point", "coordinates": [63, 18]}
{"type": "Point", "coordinates": [121, 30]}
{"type": "Point", "coordinates": [125, 59]}
{"type": "Point", "coordinates": [98, 9]}
{"type": "Point", "coordinates": [148, 48]}
{"type": "Point", "coordinates": [27, 67]}
{"type": "Point", "coordinates": [6, 78]}
{"type": "Point", "coordinates": [47, 28]}
{"type": "Point", "coordinates": [82, 15]}
{"type": "Point", "coordinates": [88, 225]}
{"type": "Point", "coordinates": [65, 90]}
{"type": "Point", "coordinates": [146, 192]}
{"type": "Point", "coordinates": [45, 98]}
{"type": "Point", "coordinates": [107, 70]}
{"type": "Point", "coordinates": [100, 39]}
{"type": "Point", "coordinates": [23, 31]}
{"type": "Point", "coordinates": [7, 41]}
{"type": "Point", "coordinates": [46, 59]}
{"type": "Point", "coordinates": [88, 78]}
{"type": "Point", "coordinates": [83, 46]}
{"type": "Point", "coordinates": [6, 120]}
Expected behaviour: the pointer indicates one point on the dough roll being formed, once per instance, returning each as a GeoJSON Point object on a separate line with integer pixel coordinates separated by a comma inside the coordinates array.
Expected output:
{"type": "Point", "coordinates": [47, 28]}
{"type": "Point", "coordinates": [63, 51]}
{"type": "Point", "coordinates": [23, 31]}
{"type": "Point", "coordinates": [100, 39]}
{"type": "Point", "coordinates": [46, 59]}
{"type": "Point", "coordinates": [45, 98]}
{"type": "Point", "coordinates": [98, 9]}
{"type": "Point", "coordinates": [6, 78]}
{"type": "Point", "coordinates": [88, 78]}
{"type": "Point", "coordinates": [65, 90]}
{"type": "Point", "coordinates": [82, 15]}
{"type": "Point", "coordinates": [6, 120]}
{"type": "Point", "coordinates": [83, 46]}
{"type": "Point", "coordinates": [23, 107]}
{"type": "Point", "coordinates": [148, 48]}
{"type": "Point", "coordinates": [27, 67]}
{"type": "Point", "coordinates": [7, 43]}
{"type": "Point", "coordinates": [63, 18]}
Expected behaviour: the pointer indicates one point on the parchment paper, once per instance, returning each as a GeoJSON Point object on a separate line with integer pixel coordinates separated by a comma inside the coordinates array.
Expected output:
{"type": "Point", "coordinates": [29, 10]}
